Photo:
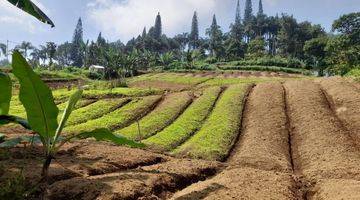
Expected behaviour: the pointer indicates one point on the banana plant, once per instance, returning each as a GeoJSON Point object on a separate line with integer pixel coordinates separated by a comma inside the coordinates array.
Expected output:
{"type": "Point", "coordinates": [32, 9]}
{"type": "Point", "coordinates": [42, 113]}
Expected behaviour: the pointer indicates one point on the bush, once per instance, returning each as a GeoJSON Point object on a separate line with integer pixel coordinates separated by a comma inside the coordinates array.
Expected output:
{"type": "Point", "coordinates": [272, 61]}
{"type": "Point", "coordinates": [211, 60]}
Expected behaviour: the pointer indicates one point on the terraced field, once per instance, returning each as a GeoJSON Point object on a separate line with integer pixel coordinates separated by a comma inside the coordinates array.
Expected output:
{"type": "Point", "coordinates": [216, 136]}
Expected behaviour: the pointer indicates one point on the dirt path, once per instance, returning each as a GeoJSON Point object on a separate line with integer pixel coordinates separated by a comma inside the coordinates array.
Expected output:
{"type": "Point", "coordinates": [323, 150]}
{"type": "Point", "coordinates": [345, 102]}
{"type": "Point", "coordinates": [260, 164]}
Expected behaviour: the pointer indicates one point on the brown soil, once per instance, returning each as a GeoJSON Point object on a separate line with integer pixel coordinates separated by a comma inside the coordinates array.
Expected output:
{"type": "Point", "coordinates": [92, 170]}
{"type": "Point", "coordinates": [241, 183]}
{"type": "Point", "coordinates": [322, 148]}
{"type": "Point", "coordinates": [335, 189]}
{"type": "Point", "coordinates": [345, 101]}
{"type": "Point", "coordinates": [265, 121]}
{"type": "Point", "coordinates": [163, 85]}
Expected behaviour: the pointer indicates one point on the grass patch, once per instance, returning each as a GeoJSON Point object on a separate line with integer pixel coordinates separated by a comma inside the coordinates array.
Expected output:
{"type": "Point", "coordinates": [95, 110]}
{"type": "Point", "coordinates": [159, 118]}
{"type": "Point", "coordinates": [171, 78]}
{"type": "Point", "coordinates": [120, 92]}
{"type": "Point", "coordinates": [234, 81]}
{"type": "Point", "coordinates": [214, 140]}
{"type": "Point", "coordinates": [118, 118]}
{"type": "Point", "coordinates": [187, 124]}
{"type": "Point", "coordinates": [266, 68]}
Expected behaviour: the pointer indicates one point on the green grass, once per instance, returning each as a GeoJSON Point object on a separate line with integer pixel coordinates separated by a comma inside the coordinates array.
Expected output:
{"type": "Point", "coordinates": [159, 118]}
{"type": "Point", "coordinates": [214, 140]}
{"type": "Point", "coordinates": [119, 118]}
{"type": "Point", "coordinates": [120, 92]}
{"type": "Point", "coordinates": [234, 81]}
{"type": "Point", "coordinates": [95, 110]}
{"type": "Point", "coordinates": [171, 78]}
{"type": "Point", "coordinates": [187, 124]}
{"type": "Point", "coordinates": [266, 68]}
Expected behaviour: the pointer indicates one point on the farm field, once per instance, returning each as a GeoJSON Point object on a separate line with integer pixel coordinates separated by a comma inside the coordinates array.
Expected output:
{"type": "Point", "coordinates": [208, 135]}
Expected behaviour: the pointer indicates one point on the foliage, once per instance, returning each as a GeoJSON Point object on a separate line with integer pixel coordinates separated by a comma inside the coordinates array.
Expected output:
{"type": "Point", "coordinates": [76, 53]}
{"type": "Point", "coordinates": [266, 68]}
{"type": "Point", "coordinates": [194, 34]}
{"type": "Point", "coordinates": [6, 92]}
{"type": "Point", "coordinates": [218, 133]}
{"type": "Point", "coordinates": [95, 110]}
{"type": "Point", "coordinates": [159, 118]}
{"type": "Point", "coordinates": [119, 118]}
{"type": "Point", "coordinates": [187, 124]}
{"type": "Point", "coordinates": [32, 9]}
{"type": "Point", "coordinates": [271, 61]}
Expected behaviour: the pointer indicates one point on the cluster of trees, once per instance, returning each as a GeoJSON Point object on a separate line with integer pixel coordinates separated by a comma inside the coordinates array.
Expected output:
{"type": "Point", "coordinates": [251, 36]}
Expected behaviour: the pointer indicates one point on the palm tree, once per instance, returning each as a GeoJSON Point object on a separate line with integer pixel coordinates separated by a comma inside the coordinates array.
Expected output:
{"type": "Point", "coordinates": [25, 46]}
{"type": "Point", "coordinates": [50, 51]}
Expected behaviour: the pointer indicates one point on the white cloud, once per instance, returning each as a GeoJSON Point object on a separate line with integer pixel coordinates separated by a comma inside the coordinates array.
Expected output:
{"type": "Point", "coordinates": [12, 16]}
{"type": "Point", "coordinates": [125, 19]}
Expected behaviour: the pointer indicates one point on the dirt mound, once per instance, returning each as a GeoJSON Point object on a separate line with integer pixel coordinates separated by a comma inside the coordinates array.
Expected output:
{"type": "Point", "coordinates": [334, 189]}
{"type": "Point", "coordinates": [265, 121]}
{"type": "Point", "coordinates": [241, 183]}
{"type": "Point", "coordinates": [322, 147]}
{"type": "Point", "coordinates": [345, 101]}
{"type": "Point", "coordinates": [92, 170]}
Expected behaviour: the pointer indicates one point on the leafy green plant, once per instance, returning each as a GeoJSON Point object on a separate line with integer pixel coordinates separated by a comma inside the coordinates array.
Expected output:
{"type": "Point", "coordinates": [32, 9]}
{"type": "Point", "coordinates": [42, 114]}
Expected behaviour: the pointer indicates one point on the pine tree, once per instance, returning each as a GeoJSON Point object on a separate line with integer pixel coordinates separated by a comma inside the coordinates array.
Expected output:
{"type": "Point", "coordinates": [248, 11]}
{"type": "Point", "coordinates": [76, 52]}
{"type": "Point", "coordinates": [261, 10]}
{"type": "Point", "coordinates": [143, 35]}
{"type": "Point", "coordinates": [238, 14]}
{"type": "Point", "coordinates": [194, 35]}
{"type": "Point", "coordinates": [215, 39]}
{"type": "Point", "coordinates": [158, 27]}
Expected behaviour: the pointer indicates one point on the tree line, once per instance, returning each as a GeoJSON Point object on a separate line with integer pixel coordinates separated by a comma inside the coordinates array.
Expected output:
{"type": "Point", "coordinates": [251, 36]}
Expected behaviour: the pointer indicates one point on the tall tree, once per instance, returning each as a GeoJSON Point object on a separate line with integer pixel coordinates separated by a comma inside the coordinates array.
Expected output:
{"type": "Point", "coordinates": [248, 11]}
{"type": "Point", "coordinates": [3, 49]}
{"type": "Point", "coordinates": [194, 34]}
{"type": "Point", "coordinates": [261, 10]}
{"type": "Point", "coordinates": [158, 27]}
{"type": "Point", "coordinates": [215, 39]}
{"type": "Point", "coordinates": [238, 13]}
{"type": "Point", "coordinates": [143, 35]}
{"type": "Point", "coordinates": [24, 47]}
{"type": "Point", "coordinates": [77, 43]}
{"type": "Point", "coordinates": [50, 50]}
{"type": "Point", "coordinates": [63, 55]}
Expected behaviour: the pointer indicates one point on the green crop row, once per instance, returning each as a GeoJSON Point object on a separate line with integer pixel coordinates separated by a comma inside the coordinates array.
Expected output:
{"type": "Point", "coordinates": [187, 124]}
{"type": "Point", "coordinates": [171, 78]}
{"type": "Point", "coordinates": [95, 110]}
{"type": "Point", "coordinates": [120, 92]}
{"type": "Point", "coordinates": [159, 118]}
{"type": "Point", "coordinates": [266, 68]}
{"type": "Point", "coordinates": [118, 118]}
{"type": "Point", "coordinates": [214, 140]}
{"type": "Point", "coordinates": [234, 81]}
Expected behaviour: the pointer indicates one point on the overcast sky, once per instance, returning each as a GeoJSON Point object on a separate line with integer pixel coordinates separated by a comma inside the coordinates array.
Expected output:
{"type": "Point", "coordinates": [123, 19]}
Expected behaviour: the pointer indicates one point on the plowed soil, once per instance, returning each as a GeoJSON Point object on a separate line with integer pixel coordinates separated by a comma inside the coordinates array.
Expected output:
{"type": "Point", "coordinates": [297, 140]}
{"type": "Point", "coordinates": [345, 101]}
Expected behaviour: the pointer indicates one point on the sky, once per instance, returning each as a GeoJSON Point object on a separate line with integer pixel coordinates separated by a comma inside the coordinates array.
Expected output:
{"type": "Point", "coordinates": [124, 19]}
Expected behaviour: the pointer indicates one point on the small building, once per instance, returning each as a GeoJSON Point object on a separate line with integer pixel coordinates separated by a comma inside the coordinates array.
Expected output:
{"type": "Point", "coordinates": [97, 68]}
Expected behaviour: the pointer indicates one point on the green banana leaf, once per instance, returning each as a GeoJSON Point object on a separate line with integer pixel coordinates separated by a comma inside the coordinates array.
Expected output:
{"type": "Point", "coordinates": [32, 9]}
{"type": "Point", "coordinates": [37, 99]}
{"type": "Point", "coordinates": [7, 119]}
{"type": "Point", "coordinates": [5, 97]}
{"type": "Point", "coordinates": [68, 110]}
{"type": "Point", "coordinates": [104, 134]}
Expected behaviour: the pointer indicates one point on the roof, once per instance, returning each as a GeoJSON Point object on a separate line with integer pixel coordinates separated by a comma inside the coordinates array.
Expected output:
{"type": "Point", "coordinates": [97, 67]}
